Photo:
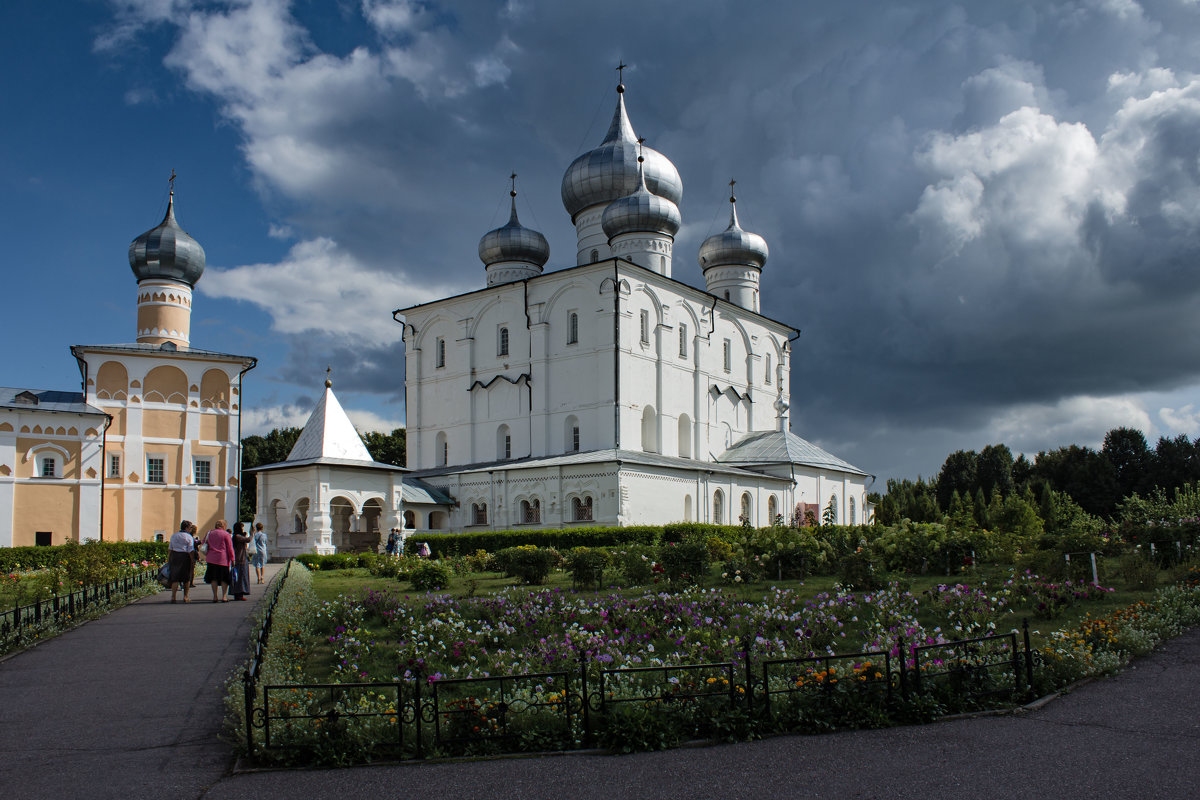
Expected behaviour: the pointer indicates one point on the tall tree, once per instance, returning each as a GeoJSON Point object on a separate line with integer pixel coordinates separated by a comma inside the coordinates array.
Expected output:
{"type": "Point", "coordinates": [1126, 450]}
{"type": "Point", "coordinates": [386, 448]}
{"type": "Point", "coordinates": [1175, 462]}
{"type": "Point", "coordinates": [258, 451]}
{"type": "Point", "coordinates": [959, 474]}
{"type": "Point", "coordinates": [994, 470]}
{"type": "Point", "coordinates": [1086, 476]}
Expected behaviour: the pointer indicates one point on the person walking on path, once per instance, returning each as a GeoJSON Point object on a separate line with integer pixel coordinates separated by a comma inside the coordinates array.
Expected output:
{"type": "Point", "coordinates": [219, 559]}
{"type": "Point", "coordinates": [179, 561]}
{"type": "Point", "coordinates": [192, 530]}
{"type": "Point", "coordinates": [240, 580]}
{"type": "Point", "coordinates": [260, 550]}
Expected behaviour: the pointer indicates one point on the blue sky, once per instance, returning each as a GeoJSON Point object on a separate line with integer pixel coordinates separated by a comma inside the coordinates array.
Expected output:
{"type": "Point", "coordinates": [983, 216]}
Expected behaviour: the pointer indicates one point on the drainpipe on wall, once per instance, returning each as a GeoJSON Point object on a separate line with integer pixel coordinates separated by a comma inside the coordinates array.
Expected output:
{"type": "Point", "coordinates": [616, 355]}
{"type": "Point", "coordinates": [108, 421]}
{"type": "Point", "coordinates": [237, 510]}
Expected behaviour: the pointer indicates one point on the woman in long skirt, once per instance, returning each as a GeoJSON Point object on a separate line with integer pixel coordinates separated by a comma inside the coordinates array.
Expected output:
{"type": "Point", "coordinates": [218, 560]}
{"type": "Point", "coordinates": [179, 561]}
{"type": "Point", "coordinates": [240, 586]}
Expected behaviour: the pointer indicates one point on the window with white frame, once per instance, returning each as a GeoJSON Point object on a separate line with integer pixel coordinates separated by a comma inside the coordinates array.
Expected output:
{"type": "Point", "coordinates": [48, 466]}
{"type": "Point", "coordinates": [581, 509]}
{"type": "Point", "coordinates": [718, 507]}
{"type": "Point", "coordinates": [156, 469]}
{"type": "Point", "coordinates": [114, 465]}
{"type": "Point", "coordinates": [440, 353]}
{"type": "Point", "coordinates": [767, 371]}
{"type": "Point", "coordinates": [645, 320]}
{"type": "Point", "coordinates": [502, 342]}
{"type": "Point", "coordinates": [572, 328]}
{"type": "Point", "coordinates": [728, 355]}
{"type": "Point", "coordinates": [683, 342]}
{"type": "Point", "coordinates": [202, 471]}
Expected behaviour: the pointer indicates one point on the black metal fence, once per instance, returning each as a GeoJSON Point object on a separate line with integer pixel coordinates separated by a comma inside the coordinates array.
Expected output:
{"type": "Point", "coordinates": [574, 708]}
{"type": "Point", "coordinates": [61, 608]}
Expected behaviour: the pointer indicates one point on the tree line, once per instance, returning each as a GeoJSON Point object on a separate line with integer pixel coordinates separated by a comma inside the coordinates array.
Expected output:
{"type": "Point", "coordinates": [1124, 478]}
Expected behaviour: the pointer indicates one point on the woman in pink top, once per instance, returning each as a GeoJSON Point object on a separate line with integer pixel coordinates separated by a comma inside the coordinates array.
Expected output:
{"type": "Point", "coordinates": [219, 558]}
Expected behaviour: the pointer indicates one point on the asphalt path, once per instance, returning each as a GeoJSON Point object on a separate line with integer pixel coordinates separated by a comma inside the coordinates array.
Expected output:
{"type": "Point", "coordinates": [129, 706]}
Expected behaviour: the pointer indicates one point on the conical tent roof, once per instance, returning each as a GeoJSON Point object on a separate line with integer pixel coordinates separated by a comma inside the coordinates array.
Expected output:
{"type": "Point", "coordinates": [329, 434]}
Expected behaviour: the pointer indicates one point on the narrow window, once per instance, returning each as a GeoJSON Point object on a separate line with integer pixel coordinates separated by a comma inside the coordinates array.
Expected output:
{"type": "Point", "coordinates": [718, 507]}
{"type": "Point", "coordinates": [595, 256]}
{"type": "Point", "coordinates": [445, 453]}
{"type": "Point", "coordinates": [114, 465]}
{"type": "Point", "coordinates": [728, 361]}
{"type": "Point", "coordinates": [575, 439]}
{"type": "Point", "coordinates": [683, 342]}
{"type": "Point", "coordinates": [440, 357]}
{"type": "Point", "coordinates": [768, 370]}
{"type": "Point", "coordinates": [503, 349]}
{"type": "Point", "coordinates": [507, 447]}
{"type": "Point", "coordinates": [572, 328]}
{"type": "Point", "coordinates": [202, 471]}
{"type": "Point", "coordinates": [746, 518]}
{"type": "Point", "coordinates": [582, 509]}
{"type": "Point", "coordinates": [645, 319]}
{"type": "Point", "coordinates": [853, 514]}
{"type": "Point", "coordinates": [156, 469]}
{"type": "Point", "coordinates": [726, 295]}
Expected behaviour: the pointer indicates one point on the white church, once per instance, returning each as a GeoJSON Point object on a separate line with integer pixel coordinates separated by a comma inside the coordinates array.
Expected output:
{"type": "Point", "coordinates": [606, 393]}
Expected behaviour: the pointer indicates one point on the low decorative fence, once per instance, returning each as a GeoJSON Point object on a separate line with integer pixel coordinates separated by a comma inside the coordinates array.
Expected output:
{"type": "Point", "coordinates": [61, 608]}
{"type": "Point", "coordinates": [418, 716]}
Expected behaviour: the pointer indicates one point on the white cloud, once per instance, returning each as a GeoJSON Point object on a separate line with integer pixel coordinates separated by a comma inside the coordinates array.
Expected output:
{"type": "Point", "coordinates": [261, 420]}
{"type": "Point", "coordinates": [1073, 420]}
{"type": "Point", "coordinates": [391, 16]}
{"type": "Point", "coordinates": [1185, 419]}
{"type": "Point", "coordinates": [321, 287]}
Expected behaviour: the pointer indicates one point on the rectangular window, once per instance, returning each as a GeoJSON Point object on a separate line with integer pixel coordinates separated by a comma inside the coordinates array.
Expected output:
{"type": "Point", "coordinates": [202, 471]}
{"type": "Point", "coordinates": [767, 376]}
{"type": "Point", "coordinates": [507, 447]}
{"type": "Point", "coordinates": [49, 467]}
{"type": "Point", "coordinates": [645, 327]}
{"type": "Point", "coordinates": [503, 342]}
{"type": "Point", "coordinates": [575, 438]}
{"type": "Point", "coordinates": [728, 362]}
{"type": "Point", "coordinates": [683, 342]}
{"type": "Point", "coordinates": [114, 465]}
{"type": "Point", "coordinates": [440, 353]}
{"type": "Point", "coordinates": [572, 328]}
{"type": "Point", "coordinates": [479, 514]}
{"type": "Point", "coordinates": [156, 469]}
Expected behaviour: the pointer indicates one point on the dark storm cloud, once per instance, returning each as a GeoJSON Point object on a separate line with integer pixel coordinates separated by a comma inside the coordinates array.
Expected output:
{"type": "Point", "coordinates": [971, 208]}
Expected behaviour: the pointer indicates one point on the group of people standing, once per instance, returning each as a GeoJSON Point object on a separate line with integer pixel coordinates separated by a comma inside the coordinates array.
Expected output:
{"type": "Point", "coordinates": [228, 559]}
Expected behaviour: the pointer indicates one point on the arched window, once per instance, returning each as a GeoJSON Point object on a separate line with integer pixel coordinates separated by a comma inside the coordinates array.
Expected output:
{"type": "Point", "coordinates": [581, 509]}
{"type": "Point", "coordinates": [726, 294]}
{"type": "Point", "coordinates": [440, 353]}
{"type": "Point", "coordinates": [853, 515]}
{"type": "Point", "coordinates": [687, 508]}
{"type": "Point", "coordinates": [410, 519]}
{"type": "Point", "coordinates": [442, 449]}
{"type": "Point", "coordinates": [772, 510]}
{"type": "Point", "coordinates": [502, 338]}
{"type": "Point", "coordinates": [572, 328]}
{"type": "Point", "coordinates": [531, 512]}
{"type": "Point", "coordinates": [595, 256]}
{"type": "Point", "coordinates": [503, 443]}
{"type": "Point", "coordinates": [718, 507]}
{"type": "Point", "coordinates": [479, 514]}
{"type": "Point", "coordinates": [767, 371]}
{"type": "Point", "coordinates": [831, 511]}
{"type": "Point", "coordinates": [685, 436]}
{"type": "Point", "coordinates": [746, 517]}
{"type": "Point", "coordinates": [649, 430]}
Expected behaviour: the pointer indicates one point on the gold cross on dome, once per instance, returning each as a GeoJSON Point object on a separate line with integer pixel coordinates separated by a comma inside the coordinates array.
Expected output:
{"type": "Point", "coordinates": [171, 180]}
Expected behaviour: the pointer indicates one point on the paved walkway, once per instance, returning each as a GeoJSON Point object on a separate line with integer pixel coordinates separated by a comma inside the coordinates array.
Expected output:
{"type": "Point", "coordinates": [129, 706]}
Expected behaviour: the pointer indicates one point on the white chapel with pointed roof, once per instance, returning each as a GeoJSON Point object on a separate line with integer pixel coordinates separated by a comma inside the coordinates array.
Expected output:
{"type": "Point", "coordinates": [329, 495]}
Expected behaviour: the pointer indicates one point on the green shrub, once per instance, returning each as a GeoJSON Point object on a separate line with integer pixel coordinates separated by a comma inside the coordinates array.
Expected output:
{"type": "Point", "coordinates": [586, 565]}
{"type": "Point", "coordinates": [636, 563]}
{"type": "Point", "coordinates": [461, 544]}
{"type": "Point", "coordinates": [1138, 571]}
{"type": "Point", "coordinates": [331, 561]}
{"type": "Point", "coordinates": [861, 570]}
{"type": "Point", "coordinates": [684, 562]}
{"type": "Point", "coordinates": [19, 559]}
{"type": "Point", "coordinates": [531, 564]}
{"type": "Point", "coordinates": [429, 576]}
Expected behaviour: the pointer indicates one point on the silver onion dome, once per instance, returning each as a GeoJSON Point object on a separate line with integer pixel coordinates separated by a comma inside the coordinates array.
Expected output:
{"type": "Point", "coordinates": [610, 171]}
{"type": "Point", "coordinates": [640, 212]}
{"type": "Point", "coordinates": [733, 246]}
{"type": "Point", "coordinates": [166, 251]}
{"type": "Point", "coordinates": [514, 242]}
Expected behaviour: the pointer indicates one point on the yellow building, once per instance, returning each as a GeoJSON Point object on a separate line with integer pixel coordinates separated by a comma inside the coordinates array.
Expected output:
{"type": "Point", "coordinates": [155, 433]}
